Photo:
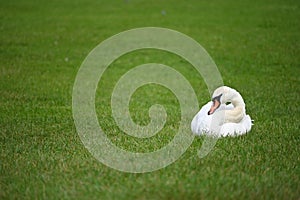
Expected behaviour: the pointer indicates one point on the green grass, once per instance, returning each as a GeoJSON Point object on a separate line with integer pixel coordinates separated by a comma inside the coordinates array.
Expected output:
{"type": "Point", "coordinates": [256, 46]}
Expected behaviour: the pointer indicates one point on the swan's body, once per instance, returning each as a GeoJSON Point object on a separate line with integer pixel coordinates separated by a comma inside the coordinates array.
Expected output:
{"type": "Point", "coordinates": [218, 119]}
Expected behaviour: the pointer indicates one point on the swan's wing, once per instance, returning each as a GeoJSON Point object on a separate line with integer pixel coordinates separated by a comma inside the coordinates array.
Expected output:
{"type": "Point", "coordinates": [201, 122]}
{"type": "Point", "coordinates": [247, 122]}
{"type": "Point", "coordinates": [230, 129]}
{"type": "Point", "coordinates": [234, 129]}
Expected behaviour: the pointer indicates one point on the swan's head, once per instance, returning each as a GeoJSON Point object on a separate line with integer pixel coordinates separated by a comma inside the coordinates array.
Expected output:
{"type": "Point", "coordinates": [220, 96]}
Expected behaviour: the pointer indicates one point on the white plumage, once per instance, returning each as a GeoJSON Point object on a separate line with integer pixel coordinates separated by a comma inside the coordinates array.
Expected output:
{"type": "Point", "coordinates": [218, 119]}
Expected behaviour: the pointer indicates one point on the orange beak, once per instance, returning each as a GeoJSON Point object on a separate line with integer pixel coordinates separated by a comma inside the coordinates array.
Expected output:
{"type": "Point", "coordinates": [214, 107]}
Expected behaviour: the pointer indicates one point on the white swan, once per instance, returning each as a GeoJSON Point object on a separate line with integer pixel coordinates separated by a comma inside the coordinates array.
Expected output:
{"type": "Point", "coordinates": [218, 119]}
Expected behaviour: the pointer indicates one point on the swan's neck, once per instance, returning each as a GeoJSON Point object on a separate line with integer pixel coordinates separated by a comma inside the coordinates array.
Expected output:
{"type": "Point", "coordinates": [237, 100]}
{"type": "Point", "coordinates": [238, 112]}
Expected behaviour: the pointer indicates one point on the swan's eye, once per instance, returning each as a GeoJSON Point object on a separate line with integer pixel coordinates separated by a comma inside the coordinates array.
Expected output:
{"type": "Point", "coordinates": [227, 103]}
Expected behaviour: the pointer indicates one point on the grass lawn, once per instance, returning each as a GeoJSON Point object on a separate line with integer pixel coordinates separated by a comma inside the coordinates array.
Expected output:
{"type": "Point", "coordinates": [255, 44]}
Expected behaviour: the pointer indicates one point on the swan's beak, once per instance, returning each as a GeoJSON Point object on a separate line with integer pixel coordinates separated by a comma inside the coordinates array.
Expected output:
{"type": "Point", "coordinates": [214, 107]}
